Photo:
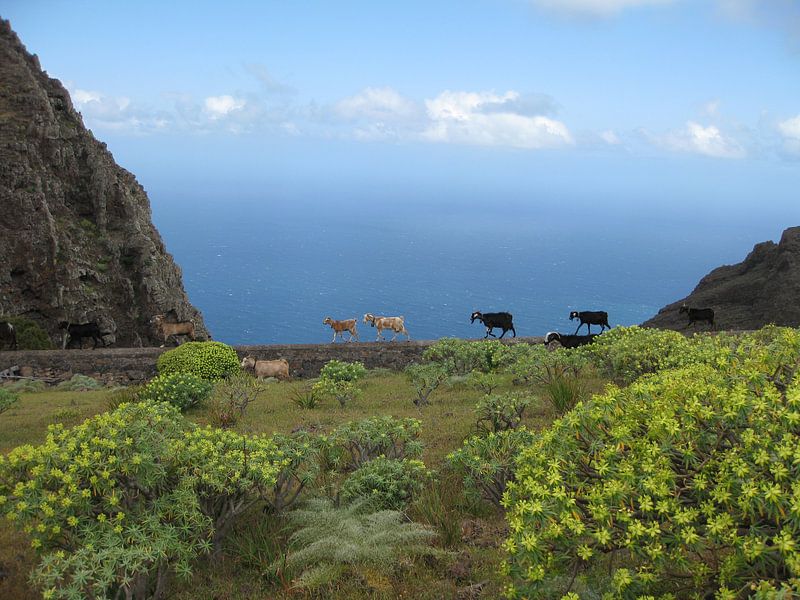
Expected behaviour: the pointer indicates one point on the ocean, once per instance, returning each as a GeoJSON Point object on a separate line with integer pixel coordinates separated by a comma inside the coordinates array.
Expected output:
{"type": "Point", "coordinates": [270, 271]}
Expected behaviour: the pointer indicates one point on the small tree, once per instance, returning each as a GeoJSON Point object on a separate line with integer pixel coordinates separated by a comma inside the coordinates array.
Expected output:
{"type": "Point", "coordinates": [231, 398]}
{"type": "Point", "coordinates": [338, 380]}
{"type": "Point", "coordinates": [425, 379]}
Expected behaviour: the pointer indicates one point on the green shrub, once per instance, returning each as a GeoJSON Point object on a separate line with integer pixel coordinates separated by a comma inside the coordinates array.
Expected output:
{"type": "Point", "coordinates": [184, 390]}
{"type": "Point", "coordinates": [483, 382]}
{"type": "Point", "coordinates": [305, 398]}
{"type": "Point", "coordinates": [425, 379]}
{"type": "Point", "coordinates": [461, 357]}
{"type": "Point", "coordinates": [387, 483]}
{"type": "Point", "coordinates": [627, 353]}
{"type": "Point", "coordinates": [28, 386]}
{"type": "Point", "coordinates": [117, 503]}
{"type": "Point", "coordinates": [211, 361]}
{"type": "Point", "coordinates": [336, 370]}
{"type": "Point", "coordinates": [486, 463]}
{"type": "Point", "coordinates": [79, 383]}
{"type": "Point", "coordinates": [7, 399]}
{"type": "Point", "coordinates": [29, 335]}
{"type": "Point", "coordinates": [500, 412]}
{"type": "Point", "coordinates": [685, 481]}
{"type": "Point", "coordinates": [330, 542]}
{"type": "Point", "coordinates": [124, 395]}
{"type": "Point", "coordinates": [357, 442]}
{"type": "Point", "coordinates": [297, 458]}
{"type": "Point", "coordinates": [538, 365]}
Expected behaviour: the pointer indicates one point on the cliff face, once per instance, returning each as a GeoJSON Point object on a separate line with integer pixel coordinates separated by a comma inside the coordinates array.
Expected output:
{"type": "Point", "coordinates": [77, 241]}
{"type": "Point", "coordinates": [764, 288]}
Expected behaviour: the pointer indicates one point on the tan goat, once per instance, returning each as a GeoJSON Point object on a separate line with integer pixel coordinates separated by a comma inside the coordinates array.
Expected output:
{"type": "Point", "coordinates": [339, 327]}
{"type": "Point", "coordinates": [267, 368]}
{"type": "Point", "coordinates": [396, 324]}
{"type": "Point", "coordinates": [167, 329]}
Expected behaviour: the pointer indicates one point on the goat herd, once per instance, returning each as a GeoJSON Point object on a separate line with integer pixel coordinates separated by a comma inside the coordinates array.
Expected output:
{"type": "Point", "coordinates": [74, 333]}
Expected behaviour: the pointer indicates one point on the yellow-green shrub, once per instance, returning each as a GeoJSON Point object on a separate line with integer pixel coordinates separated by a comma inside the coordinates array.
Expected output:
{"type": "Point", "coordinates": [184, 390]}
{"type": "Point", "coordinates": [685, 480]}
{"type": "Point", "coordinates": [211, 361]}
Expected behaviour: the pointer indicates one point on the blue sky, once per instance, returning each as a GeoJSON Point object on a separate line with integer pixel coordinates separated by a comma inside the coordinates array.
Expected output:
{"type": "Point", "coordinates": [671, 103]}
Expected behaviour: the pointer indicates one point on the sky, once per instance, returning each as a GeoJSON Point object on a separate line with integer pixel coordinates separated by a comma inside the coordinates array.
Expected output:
{"type": "Point", "coordinates": [661, 106]}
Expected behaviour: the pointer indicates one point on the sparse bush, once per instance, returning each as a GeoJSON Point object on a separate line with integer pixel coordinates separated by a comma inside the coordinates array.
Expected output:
{"type": "Point", "coordinates": [483, 382]}
{"type": "Point", "coordinates": [297, 458]}
{"type": "Point", "coordinates": [79, 383]}
{"type": "Point", "coordinates": [357, 442]}
{"type": "Point", "coordinates": [425, 379]}
{"type": "Point", "coordinates": [29, 335]}
{"type": "Point", "coordinates": [211, 361]}
{"type": "Point", "coordinates": [7, 399]}
{"type": "Point", "coordinates": [338, 380]}
{"type": "Point", "coordinates": [184, 390]}
{"type": "Point", "coordinates": [65, 415]}
{"type": "Point", "coordinates": [487, 463]}
{"type": "Point", "coordinates": [500, 412]}
{"type": "Point", "coordinates": [436, 505]}
{"type": "Point", "coordinates": [685, 480]}
{"type": "Point", "coordinates": [231, 397]}
{"type": "Point", "coordinates": [564, 392]}
{"type": "Point", "coordinates": [305, 398]}
{"type": "Point", "coordinates": [124, 395]}
{"type": "Point", "coordinates": [330, 542]}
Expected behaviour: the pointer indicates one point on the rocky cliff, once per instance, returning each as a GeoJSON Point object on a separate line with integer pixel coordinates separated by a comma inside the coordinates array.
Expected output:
{"type": "Point", "coordinates": [764, 288]}
{"type": "Point", "coordinates": [77, 242]}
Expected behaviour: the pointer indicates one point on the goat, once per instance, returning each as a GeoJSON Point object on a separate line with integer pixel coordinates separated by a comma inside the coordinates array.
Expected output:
{"type": "Point", "coordinates": [569, 341]}
{"type": "Point", "coordinates": [501, 320]}
{"type": "Point", "coordinates": [267, 368]}
{"type": "Point", "coordinates": [698, 314]}
{"type": "Point", "coordinates": [589, 318]}
{"type": "Point", "coordinates": [396, 324]}
{"type": "Point", "coordinates": [172, 329]}
{"type": "Point", "coordinates": [339, 327]}
{"type": "Point", "coordinates": [8, 334]}
{"type": "Point", "coordinates": [75, 332]}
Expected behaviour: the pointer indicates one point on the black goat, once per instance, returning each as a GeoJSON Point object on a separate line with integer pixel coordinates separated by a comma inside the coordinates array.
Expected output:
{"type": "Point", "coordinates": [75, 332]}
{"type": "Point", "coordinates": [502, 320]}
{"type": "Point", "coordinates": [569, 341]}
{"type": "Point", "coordinates": [8, 334]}
{"type": "Point", "coordinates": [589, 318]}
{"type": "Point", "coordinates": [698, 314]}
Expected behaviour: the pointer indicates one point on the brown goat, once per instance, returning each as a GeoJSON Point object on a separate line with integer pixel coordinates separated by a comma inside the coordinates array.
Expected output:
{"type": "Point", "coordinates": [173, 329]}
{"type": "Point", "coordinates": [267, 368]}
{"type": "Point", "coordinates": [339, 327]}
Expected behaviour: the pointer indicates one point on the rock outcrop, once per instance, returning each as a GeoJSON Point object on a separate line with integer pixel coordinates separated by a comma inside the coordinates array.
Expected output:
{"type": "Point", "coordinates": [763, 289]}
{"type": "Point", "coordinates": [77, 242]}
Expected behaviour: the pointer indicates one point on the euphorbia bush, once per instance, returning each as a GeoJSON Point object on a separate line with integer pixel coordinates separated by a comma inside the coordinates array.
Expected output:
{"type": "Point", "coordinates": [211, 361]}
{"type": "Point", "coordinates": [683, 485]}
{"type": "Point", "coordinates": [184, 390]}
{"type": "Point", "coordinates": [116, 504]}
{"type": "Point", "coordinates": [338, 380]}
{"type": "Point", "coordinates": [461, 357]}
{"type": "Point", "coordinates": [498, 412]}
{"type": "Point", "coordinates": [388, 483]}
{"type": "Point", "coordinates": [357, 442]}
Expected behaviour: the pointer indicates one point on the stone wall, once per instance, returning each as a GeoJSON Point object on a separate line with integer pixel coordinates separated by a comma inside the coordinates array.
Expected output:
{"type": "Point", "coordinates": [135, 365]}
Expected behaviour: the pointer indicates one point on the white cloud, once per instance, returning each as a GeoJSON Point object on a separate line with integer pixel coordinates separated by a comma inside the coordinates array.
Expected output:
{"type": "Point", "coordinates": [218, 107]}
{"type": "Point", "coordinates": [478, 118]}
{"type": "Point", "coordinates": [709, 141]}
{"type": "Point", "coordinates": [594, 8]}
{"type": "Point", "coordinates": [610, 138]}
{"type": "Point", "coordinates": [102, 111]}
{"type": "Point", "coordinates": [377, 104]}
{"type": "Point", "coordinates": [790, 130]}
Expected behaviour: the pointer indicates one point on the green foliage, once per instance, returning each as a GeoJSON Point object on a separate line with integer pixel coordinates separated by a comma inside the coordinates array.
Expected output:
{"type": "Point", "coordinates": [388, 483]}
{"type": "Point", "coordinates": [538, 365]}
{"type": "Point", "coordinates": [437, 505]}
{"type": "Point", "coordinates": [685, 480]}
{"type": "Point", "coordinates": [29, 335]}
{"type": "Point", "coordinates": [297, 458]}
{"type": "Point", "coordinates": [124, 395]}
{"type": "Point", "coordinates": [231, 397]}
{"type": "Point", "coordinates": [564, 392]}
{"type": "Point", "coordinates": [358, 442]}
{"type": "Point", "coordinates": [487, 462]}
{"type": "Point", "coordinates": [184, 390]}
{"type": "Point", "coordinates": [7, 399]}
{"type": "Point", "coordinates": [330, 542]}
{"type": "Point", "coordinates": [499, 412]}
{"type": "Point", "coordinates": [25, 386]}
{"type": "Point", "coordinates": [336, 370]}
{"type": "Point", "coordinates": [305, 398]}
{"type": "Point", "coordinates": [117, 503]}
{"type": "Point", "coordinates": [79, 383]}
{"type": "Point", "coordinates": [627, 353]}
{"type": "Point", "coordinates": [461, 357]}
{"type": "Point", "coordinates": [483, 382]}
{"type": "Point", "coordinates": [211, 361]}
{"type": "Point", "coordinates": [425, 379]}
{"type": "Point", "coordinates": [338, 380]}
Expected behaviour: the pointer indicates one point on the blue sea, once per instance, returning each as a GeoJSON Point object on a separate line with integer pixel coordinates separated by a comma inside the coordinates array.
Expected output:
{"type": "Point", "coordinates": [268, 271]}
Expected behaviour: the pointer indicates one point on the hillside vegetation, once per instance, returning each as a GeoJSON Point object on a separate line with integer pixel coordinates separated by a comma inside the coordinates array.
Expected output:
{"type": "Point", "coordinates": [647, 465]}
